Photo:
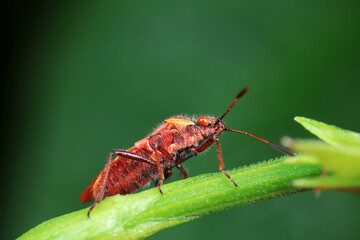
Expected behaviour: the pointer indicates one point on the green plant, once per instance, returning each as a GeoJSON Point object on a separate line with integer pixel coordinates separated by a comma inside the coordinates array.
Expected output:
{"type": "Point", "coordinates": [137, 216]}
{"type": "Point", "coordinates": [339, 156]}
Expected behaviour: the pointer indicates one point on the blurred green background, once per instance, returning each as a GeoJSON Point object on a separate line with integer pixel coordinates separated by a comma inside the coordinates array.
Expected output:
{"type": "Point", "coordinates": [84, 78]}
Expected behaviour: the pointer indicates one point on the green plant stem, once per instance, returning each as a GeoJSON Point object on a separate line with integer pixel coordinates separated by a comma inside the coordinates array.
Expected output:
{"type": "Point", "coordinates": [137, 216]}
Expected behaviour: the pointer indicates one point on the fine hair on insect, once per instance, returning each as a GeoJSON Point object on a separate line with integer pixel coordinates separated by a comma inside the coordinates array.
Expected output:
{"type": "Point", "coordinates": [153, 158]}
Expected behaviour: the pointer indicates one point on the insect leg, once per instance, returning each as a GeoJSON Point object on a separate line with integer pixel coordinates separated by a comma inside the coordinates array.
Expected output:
{"type": "Point", "coordinates": [164, 152]}
{"type": "Point", "coordinates": [194, 151]}
{"type": "Point", "coordinates": [161, 175]}
{"type": "Point", "coordinates": [126, 154]}
{"type": "Point", "coordinates": [205, 145]}
{"type": "Point", "coordinates": [221, 163]}
{"type": "Point", "coordinates": [167, 173]}
{"type": "Point", "coordinates": [101, 195]}
{"type": "Point", "coordinates": [183, 172]}
{"type": "Point", "coordinates": [161, 149]}
{"type": "Point", "coordinates": [120, 153]}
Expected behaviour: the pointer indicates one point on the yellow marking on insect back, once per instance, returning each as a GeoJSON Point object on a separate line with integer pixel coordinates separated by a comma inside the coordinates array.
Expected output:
{"type": "Point", "coordinates": [179, 123]}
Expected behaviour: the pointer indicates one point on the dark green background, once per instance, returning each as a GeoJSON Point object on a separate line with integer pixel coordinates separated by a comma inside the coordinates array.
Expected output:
{"type": "Point", "coordinates": [84, 78]}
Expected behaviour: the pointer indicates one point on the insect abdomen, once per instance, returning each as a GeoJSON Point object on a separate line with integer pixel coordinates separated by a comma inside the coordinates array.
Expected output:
{"type": "Point", "coordinates": [136, 174]}
{"type": "Point", "coordinates": [125, 176]}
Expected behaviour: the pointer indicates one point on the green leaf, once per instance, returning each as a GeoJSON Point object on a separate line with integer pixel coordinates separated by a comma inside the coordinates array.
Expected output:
{"type": "Point", "coordinates": [328, 182]}
{"type": "Point", "coordinates": [340, 160]}
{"type": "Point", "coordinates": [137, 216]}
{"type": "Point", "coordinates": [330, 134]}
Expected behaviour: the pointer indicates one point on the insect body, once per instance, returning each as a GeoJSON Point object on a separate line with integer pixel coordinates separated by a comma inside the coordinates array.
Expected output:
{"type": "Point", "coordinates": [154, 157]}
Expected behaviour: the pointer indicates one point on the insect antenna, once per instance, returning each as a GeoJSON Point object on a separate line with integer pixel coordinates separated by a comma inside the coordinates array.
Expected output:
{"type": "Point", "coordinates": [263, 140]}
{"type": "Point", "coordinates": [233, 103]}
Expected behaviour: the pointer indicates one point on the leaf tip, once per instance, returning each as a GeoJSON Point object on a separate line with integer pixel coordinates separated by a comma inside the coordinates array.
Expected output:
{"type": "Point", "coordinates": [304, 121]}
{"type": "Point", "coordinates": [299, 119]}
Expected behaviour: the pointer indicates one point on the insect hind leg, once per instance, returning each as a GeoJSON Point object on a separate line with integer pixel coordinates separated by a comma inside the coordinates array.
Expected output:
{"type": "Point", "coordinates": [119, 153]}
{"type": "Point", "coordinates": [100, 197]}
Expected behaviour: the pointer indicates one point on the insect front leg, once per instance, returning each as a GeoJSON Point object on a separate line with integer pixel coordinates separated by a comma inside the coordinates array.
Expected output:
{"type": "Point", "coordinates": [205, 145]}
{"type": "Point", "coordinates": [221, 163]}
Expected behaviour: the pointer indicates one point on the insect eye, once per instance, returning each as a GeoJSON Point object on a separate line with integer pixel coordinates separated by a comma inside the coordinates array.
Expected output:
{"type": "Point", "coordinates": [203, 121]}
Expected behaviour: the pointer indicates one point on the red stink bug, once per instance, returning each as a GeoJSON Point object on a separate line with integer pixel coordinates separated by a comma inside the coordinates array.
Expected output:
{"type": "Point", "coordinates": [154, 157]}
